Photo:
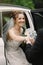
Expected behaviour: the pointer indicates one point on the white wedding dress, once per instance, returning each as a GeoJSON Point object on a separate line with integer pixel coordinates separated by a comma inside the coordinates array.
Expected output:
{"type": "Point", "coordinates": [14, 54]}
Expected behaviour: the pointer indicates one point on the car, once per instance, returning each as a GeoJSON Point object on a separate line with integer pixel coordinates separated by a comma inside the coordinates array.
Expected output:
{"type": "Point", "coordinates": [32, 24]}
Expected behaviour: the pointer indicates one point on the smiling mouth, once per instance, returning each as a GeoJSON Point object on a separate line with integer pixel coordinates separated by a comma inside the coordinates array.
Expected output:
{"type": "Point", "coordinates": [21, 22]}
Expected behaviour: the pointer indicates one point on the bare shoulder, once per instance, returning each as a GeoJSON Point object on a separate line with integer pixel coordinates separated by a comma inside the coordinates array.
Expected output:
{"type": "Point", "coordinates": [10, 30]}
{"type": "Point", "coordinates": [11, 33]}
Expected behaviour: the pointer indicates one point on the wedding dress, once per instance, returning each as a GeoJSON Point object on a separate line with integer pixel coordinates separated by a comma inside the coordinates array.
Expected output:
{"type": "Point", "coordinates": [14, 54]}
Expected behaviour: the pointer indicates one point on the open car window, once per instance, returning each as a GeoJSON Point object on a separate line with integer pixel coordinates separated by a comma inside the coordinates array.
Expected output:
{"type": "Point", "coordinates": [7, 17]}
{"type": "Point", "coordinates": [8, 21]}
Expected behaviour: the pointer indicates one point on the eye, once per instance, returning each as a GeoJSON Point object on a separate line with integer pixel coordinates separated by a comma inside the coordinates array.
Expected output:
{"type": "Point", "coordinates": [19, 18]}
{"type": "Point", "coordinates": [23, 18]}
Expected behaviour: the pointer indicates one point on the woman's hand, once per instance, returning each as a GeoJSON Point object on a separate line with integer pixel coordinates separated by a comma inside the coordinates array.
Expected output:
{"type": "Point", "coordinates": [30, 40]}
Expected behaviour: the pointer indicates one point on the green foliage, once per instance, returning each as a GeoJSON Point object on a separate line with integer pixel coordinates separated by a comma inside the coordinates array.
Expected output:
{"type": "Point", "coordinates": [26, 3]}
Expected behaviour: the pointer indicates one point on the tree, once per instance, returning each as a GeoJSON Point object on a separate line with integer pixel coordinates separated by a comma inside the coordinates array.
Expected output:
{"type": "Point", "coordinates": [26, 3]}
{"type": "Point", "coordinates": [38, 3]}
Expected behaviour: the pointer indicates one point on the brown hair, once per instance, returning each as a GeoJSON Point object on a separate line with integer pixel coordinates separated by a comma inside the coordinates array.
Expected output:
{"type": "Point", "coordinates": [15, 13]}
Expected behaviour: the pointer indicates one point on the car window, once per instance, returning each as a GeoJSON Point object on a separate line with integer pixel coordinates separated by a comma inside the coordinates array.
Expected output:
{"type": "Point", "coordinates": [8, 20]}
{"type": "Point", "coordinates": [5, 17]}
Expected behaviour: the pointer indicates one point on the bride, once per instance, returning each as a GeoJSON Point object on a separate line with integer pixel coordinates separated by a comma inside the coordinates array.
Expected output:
{"type": "Point", "coordinates": [14, 54]}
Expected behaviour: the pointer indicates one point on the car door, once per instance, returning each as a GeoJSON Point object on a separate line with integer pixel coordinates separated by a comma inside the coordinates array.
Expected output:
{"type": "Point", "coordinates": [2, 57]}
{"type": "Point", "coordinates": [37, 16]}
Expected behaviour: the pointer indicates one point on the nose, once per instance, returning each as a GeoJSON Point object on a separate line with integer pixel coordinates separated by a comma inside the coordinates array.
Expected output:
{"type": "Point", "coordinates": [22, 20]}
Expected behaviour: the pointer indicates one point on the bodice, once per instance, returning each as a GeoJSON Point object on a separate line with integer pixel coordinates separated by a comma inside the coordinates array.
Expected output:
{"type": "Point", "coordinates": [12, 45]}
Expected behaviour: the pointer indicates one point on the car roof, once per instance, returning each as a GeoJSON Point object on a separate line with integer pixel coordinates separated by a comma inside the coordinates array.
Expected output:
{"type": "Point", "coordinates": [9, 7]}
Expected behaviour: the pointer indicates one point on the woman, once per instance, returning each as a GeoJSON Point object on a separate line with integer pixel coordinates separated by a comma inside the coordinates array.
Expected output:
{"type": "Point", "coordinates": [14, 54]}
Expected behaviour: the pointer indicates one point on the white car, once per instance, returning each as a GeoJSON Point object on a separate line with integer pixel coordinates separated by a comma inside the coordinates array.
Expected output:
{"type": "Point", "coordinates": [5, 11]}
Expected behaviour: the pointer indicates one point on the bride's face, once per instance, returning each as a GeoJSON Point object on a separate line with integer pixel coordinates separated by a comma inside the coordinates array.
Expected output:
{"type": "Point", "coordinates": [20, 20]}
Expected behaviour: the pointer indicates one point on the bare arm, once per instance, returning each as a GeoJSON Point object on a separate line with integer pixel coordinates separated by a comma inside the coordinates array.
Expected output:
{"type": "Point", "coordinates": [16, 37]}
